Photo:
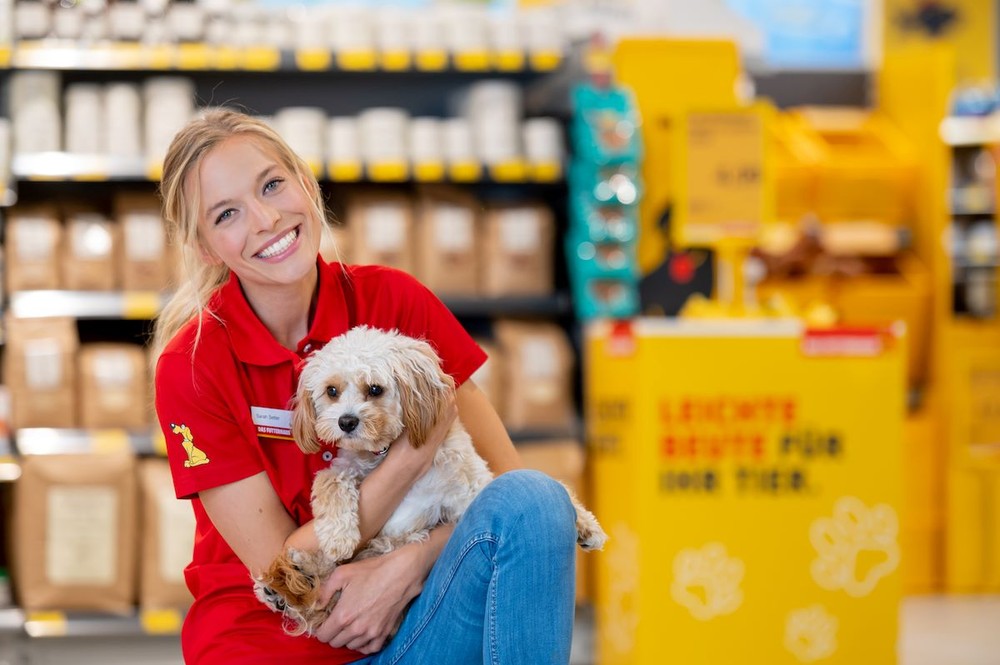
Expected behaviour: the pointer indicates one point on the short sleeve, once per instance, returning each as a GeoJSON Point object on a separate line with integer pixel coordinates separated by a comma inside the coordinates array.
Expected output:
{"type": "Point", "coordinates": [423, 315]}
{"type": "Point", "coordinates": [202, 411]}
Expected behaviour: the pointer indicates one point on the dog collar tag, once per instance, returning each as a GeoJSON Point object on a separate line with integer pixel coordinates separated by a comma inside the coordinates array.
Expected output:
{"type": "Point", "coordinates": [272, 423]}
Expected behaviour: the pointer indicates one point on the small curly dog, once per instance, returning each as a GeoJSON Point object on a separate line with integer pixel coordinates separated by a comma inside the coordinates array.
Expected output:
{"type": "Point", "coordinates": [361, 392]}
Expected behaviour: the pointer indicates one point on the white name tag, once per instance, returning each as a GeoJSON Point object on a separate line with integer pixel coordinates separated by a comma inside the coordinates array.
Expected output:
{"type": "Point", "coordinates": [273, 423]}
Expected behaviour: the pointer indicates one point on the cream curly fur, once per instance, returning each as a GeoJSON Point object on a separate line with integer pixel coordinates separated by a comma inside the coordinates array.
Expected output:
{"type": "Point", "coordinates": [360, 392]}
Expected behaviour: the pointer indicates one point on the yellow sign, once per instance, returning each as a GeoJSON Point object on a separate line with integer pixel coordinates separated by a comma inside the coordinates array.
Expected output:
{"type": "Point", "coordinates": [722, 185]}
{"type": "Point", "coordinates": [748, 475]}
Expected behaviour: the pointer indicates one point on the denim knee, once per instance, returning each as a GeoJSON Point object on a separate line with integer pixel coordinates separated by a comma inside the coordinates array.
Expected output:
{"type": "Point", "coordinates": [533, 497]}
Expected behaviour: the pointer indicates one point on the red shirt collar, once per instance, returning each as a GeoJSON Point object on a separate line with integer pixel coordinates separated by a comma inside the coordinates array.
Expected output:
{"type": "Point", "coordinates": [253, 342]}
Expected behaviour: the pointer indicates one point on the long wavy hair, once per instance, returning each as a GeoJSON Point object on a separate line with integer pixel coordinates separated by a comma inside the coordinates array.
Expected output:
{"type": "Point", "coordinates": [180, 191]}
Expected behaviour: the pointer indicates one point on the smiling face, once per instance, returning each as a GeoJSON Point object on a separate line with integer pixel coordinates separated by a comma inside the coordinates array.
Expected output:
{"type": "Point", "coordinates": [255, 216]}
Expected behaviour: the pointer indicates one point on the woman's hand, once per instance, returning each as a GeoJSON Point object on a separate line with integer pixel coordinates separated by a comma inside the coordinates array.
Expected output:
{"type": "Point", "coordinates": [375, 592]}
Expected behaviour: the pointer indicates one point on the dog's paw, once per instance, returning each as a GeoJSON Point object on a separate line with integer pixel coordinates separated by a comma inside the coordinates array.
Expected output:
{"type": "Point", "coordinates": [589, 534]}
{"type": "Point", "coordinates": [269, 596]}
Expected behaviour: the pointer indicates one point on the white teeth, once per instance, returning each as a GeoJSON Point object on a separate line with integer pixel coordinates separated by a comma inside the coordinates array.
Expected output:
{"type": "Point", "coordinates": [281, 245]}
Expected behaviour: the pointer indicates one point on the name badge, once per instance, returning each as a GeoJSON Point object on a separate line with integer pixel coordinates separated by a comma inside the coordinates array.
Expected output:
{"type": "Point", "coordinates": [272, 423]}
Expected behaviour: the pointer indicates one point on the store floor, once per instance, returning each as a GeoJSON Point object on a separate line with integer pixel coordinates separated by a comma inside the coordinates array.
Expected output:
{"type": "Point", "coordinates": [934, 631]}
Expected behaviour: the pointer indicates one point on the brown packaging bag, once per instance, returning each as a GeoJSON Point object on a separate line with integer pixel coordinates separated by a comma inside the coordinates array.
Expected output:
{"type": "Point", "coordinates": [518, 251]}
{"type": "Point", "coordinates": [381, 230]}
{"type": "Point", "coordinates": [75, 532]}
{"type": "Point", "coordinates": [89, 251]}
{"type": "Point", "coordinates": [143, 257]}
{"type": "Point", "coordinates": [447, 242]}
{"type": "Point", "coordinates": [40, 371]}
{"type": "Point", "coordinates": [564, 460]}
{"type": "Point", "coordinates": [113, 386]}
{"type": "Point", "coordinates": [34, 236]}
{"type": "Point", "coordinates": [167, 539]}
{"type": "Point", "coordinates": [538, 375]}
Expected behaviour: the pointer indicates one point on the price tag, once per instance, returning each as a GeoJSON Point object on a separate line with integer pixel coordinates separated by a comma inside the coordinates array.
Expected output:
{"type": "Point", "coordinates": [159, 57]}
{"type": "Point", "coordinates": [154, 171]}
{"type": "Point", "coordinates": [109, 441]}
{"type": "Point", "coordinates": [161, 622]}
{"type": "Point", "coordinates": [227, 57]}
{"type": "Point", "coordinates": [45, 624]}
{"type": "Point", "coordinates": [722, 194]}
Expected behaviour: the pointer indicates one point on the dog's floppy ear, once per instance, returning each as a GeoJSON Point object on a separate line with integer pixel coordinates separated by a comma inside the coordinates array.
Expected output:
{"type": "Point", "coordinates": [424, 388]}
{"type": "Point", "coordinates": [304, 421]}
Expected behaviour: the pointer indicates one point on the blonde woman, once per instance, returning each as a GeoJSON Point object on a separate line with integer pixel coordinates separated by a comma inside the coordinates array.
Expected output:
{"type": "Point", "coordinates": [256, 299]}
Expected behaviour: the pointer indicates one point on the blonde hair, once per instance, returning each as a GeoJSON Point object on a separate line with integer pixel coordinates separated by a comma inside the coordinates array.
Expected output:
{"type": "Point", "coordinates": [181, 194]}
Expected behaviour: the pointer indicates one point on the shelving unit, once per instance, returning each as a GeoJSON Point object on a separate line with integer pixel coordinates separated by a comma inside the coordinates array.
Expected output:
{"type": "Point", "coordinates": [258, 79]}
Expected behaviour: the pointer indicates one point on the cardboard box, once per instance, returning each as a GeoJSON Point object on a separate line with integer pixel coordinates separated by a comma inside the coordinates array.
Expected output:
{"type": "Point", "coordinates": [40, 371]}
{"type": "Point", "coordinates": [748, 475]}
{"type": "Point", "coordinates": [518, 254]}
{"type": "Point", "coordinates": [538, 375]}
{"type": "Point", "coordinates": [142, 252]}
{"type": "Point", "coordinates": [75, 532]}
{"type": "Point", "coordinates": [89, 252]}
{"type": "Point", "coordinates": [168, 527]}
{"type": "Point", "coordinates": [114, 386]}
{"type": "Point", "coordinates": [447, 239]}
{"type": "Point", "coordinates": [381, 230]}
{"type": "Point", "coordinates": [32, 249]}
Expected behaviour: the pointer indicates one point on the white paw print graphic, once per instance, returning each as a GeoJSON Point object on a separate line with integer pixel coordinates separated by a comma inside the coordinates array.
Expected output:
{"type": "Point", "coordinates": [620, 615]}
{"type": "Point", "coordinates": [811, 633]}
{"type": "Point", "coordinates": [707, 581]}
{"type": "Point", "coordinates": [857, 546]}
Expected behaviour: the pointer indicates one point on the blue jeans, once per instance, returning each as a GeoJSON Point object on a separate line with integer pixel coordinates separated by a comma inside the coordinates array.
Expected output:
{"type": "Point", "coordinates": [502, 591]}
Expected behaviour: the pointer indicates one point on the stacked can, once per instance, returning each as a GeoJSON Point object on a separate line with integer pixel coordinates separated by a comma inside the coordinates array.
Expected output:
{"type": "Point", "coordinates": [604, 190]}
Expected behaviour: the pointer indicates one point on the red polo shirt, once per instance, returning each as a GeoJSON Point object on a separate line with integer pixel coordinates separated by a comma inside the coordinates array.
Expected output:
{"type": "Point", "coordinates": [221, 399]}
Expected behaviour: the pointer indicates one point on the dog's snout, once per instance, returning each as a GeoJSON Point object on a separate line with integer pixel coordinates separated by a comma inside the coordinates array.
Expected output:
{"type": "Point", "coordinates": [348, 423]}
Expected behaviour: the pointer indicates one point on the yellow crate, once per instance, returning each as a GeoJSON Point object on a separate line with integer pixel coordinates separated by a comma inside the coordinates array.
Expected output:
{"type": "Point", "coordinates": [797, 156]}
{"type": "Point", "coordinates": [900, 295]}
{"type": "Point", "coordinates": [751, 498]}
{"type": "Point", "coordinates": [868, 168]}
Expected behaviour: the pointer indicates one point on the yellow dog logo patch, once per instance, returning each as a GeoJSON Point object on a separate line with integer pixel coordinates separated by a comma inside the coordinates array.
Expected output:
{"type": "Point", "coordinates": [195, 456]}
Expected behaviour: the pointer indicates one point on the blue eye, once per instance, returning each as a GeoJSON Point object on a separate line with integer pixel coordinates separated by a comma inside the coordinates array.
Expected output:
{"type": "Point", "coordinates": [273, 184]}
{"type": "Point", "coordinates": [224, 215]}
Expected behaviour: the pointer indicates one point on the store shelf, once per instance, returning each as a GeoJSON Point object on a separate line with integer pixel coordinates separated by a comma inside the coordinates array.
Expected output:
{"type": "Point", "coordinates": [138, 305]}
{"type": "Point", "coordinates": [67, 166]}
{"type": "Point", "coordinates": [126, 56]}
{"type": "Point", "coordinates": [557, 304]}
{"type": "Point", "coordinates": [970, 130]}
{"type": "Point", "coordinates": [60, 441]}
{"type": "Point", "coordinates": [83, 624]}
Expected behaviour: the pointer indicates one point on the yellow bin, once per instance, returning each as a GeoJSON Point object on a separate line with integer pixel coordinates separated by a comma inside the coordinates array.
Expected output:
{"type": "Point", "coordinates": [748, 474]}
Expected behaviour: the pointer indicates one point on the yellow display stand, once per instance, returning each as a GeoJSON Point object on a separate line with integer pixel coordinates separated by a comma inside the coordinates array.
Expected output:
{"type": "Point", "coordinates": [748, 475]}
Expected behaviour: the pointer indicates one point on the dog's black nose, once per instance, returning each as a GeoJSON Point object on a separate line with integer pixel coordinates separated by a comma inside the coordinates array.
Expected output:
{"type": "Point", "coordinates": [348, 423]}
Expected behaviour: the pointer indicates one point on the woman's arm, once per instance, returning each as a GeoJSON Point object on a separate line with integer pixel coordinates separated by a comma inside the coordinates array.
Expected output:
{"type": "Point", "coordinates": [488, 433]}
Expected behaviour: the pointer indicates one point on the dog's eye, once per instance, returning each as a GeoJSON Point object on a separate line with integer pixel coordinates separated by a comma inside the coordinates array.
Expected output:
{"type": "Point", "coordinates": [374, 391]}
{"type": "Point", "coordinates": [331, 392]}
